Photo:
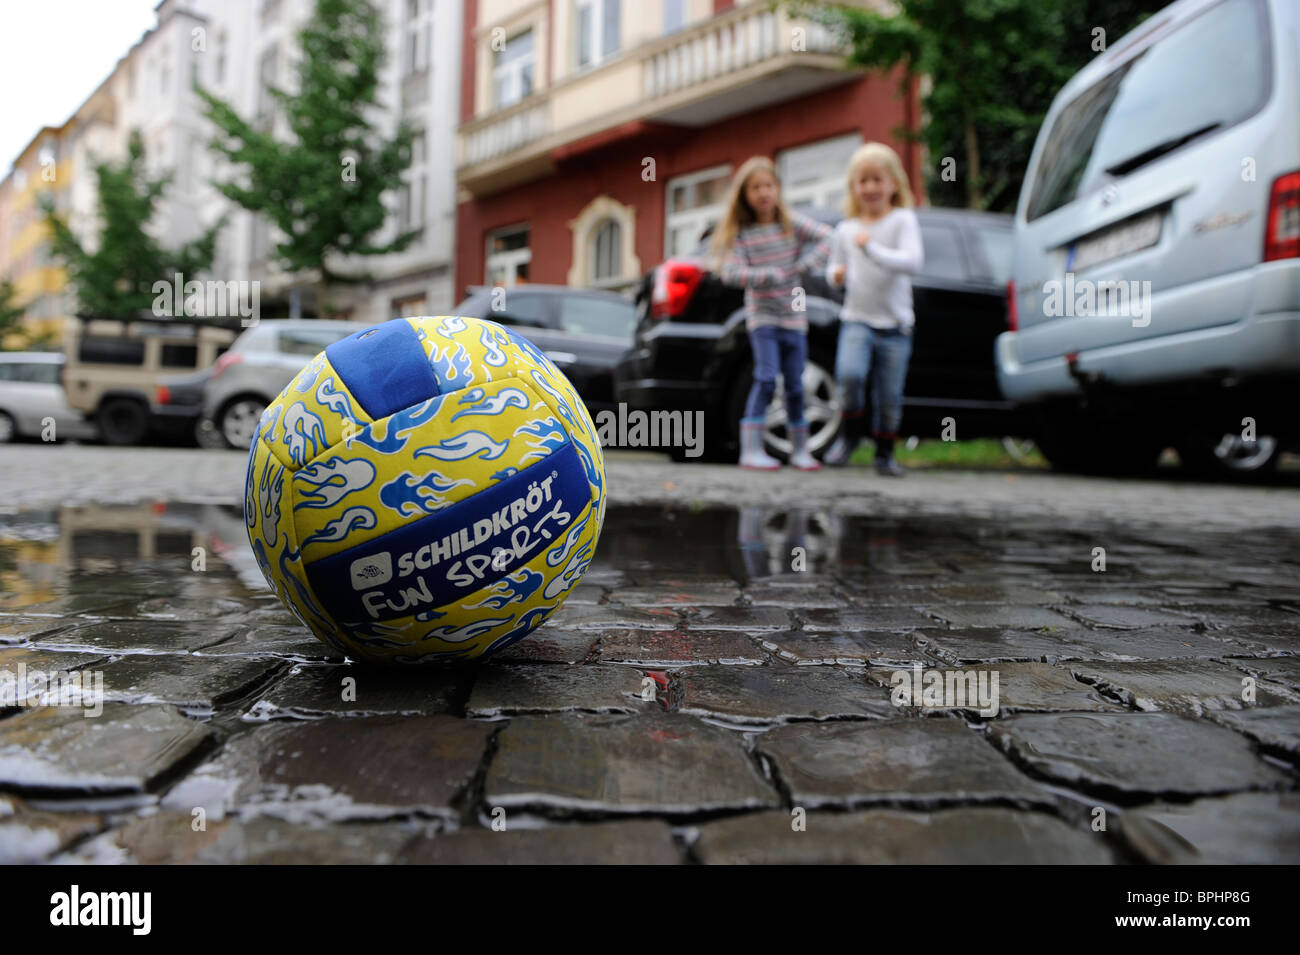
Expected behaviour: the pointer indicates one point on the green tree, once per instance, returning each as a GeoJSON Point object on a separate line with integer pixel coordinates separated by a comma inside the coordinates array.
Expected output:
{"type": "Point", "coordinates": [994, 67]}
{"type": "Point", "coordinates": [116, 280]}
{"type": "Point", "coordinates": [11, 313]}
{"type": "Point", "coordinates": [322, 184]}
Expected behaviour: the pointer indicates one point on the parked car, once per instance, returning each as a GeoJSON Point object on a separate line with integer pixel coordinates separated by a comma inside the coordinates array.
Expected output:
{"type": "Point", "coordinates": [114, 366]}
{"type": "Point", "coordinates": [30, 393]}
{"type": "Point", "coordinates": [584, 331]}
{"type": "Point", "coordinates": [691, 350]}
{"type": "Point", "coordinates": [1171, 164]}
{"type": "Point", "coordinates": [180, 399]}
{"type": "Point", "coordinates": [258, 366]}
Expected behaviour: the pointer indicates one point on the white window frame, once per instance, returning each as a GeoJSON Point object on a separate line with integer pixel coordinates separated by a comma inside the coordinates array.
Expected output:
{"type": "Point", "coordinates": [820, 189]}
{"type": "Point", "coordinates": [597, 54]}
{"type": "Point", "coordinates": [513, 73]}
{"type": "Point", "coordinates": [680, 7]}
{"type": "Point", "coordinates": [416, 30]}
{"type": "Point", "coordinates": [508, 261]}
{"type": "Point", "coordinates": [704, 216]}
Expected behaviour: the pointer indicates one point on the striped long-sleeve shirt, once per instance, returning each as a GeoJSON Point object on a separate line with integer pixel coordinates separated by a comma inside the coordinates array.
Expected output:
{"type": "Point", "coordinates": [768, 262]}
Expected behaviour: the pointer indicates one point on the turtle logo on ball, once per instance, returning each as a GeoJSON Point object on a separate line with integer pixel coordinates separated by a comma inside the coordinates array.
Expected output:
{"type": "Point", "coordinates": [424, 489]}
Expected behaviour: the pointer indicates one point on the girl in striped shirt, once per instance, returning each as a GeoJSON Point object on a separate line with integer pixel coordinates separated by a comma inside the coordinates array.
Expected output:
{"type": "Point", "coordinates": [765, 248]}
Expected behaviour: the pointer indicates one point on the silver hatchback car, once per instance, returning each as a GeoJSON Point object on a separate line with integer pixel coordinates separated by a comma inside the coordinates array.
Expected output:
{"type": "Point", "coordinates": [1155, 298]}
{"type": "Point", "coordinates": [257, 367]}
{"type": "Point", "coordinates": [31, 397]}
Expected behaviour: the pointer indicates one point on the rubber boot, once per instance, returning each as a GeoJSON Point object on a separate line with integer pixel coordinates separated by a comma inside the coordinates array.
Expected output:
{"type": "Point", "coordinates": [846, 442]}
{"type": "Point", "coordinates": [799, 455]}
{"type": "Point", "coordinates": [752, 455]}
{"type": "Point", "coordinates": [885, 463]}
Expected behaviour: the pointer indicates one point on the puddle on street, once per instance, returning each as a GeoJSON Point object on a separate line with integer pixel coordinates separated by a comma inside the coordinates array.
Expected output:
{"type": "Point", "coordinates": [82, 559]}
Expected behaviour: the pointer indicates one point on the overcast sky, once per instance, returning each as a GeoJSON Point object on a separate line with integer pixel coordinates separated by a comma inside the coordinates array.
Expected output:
{"type": "Point", "coordinates": [53, 53]}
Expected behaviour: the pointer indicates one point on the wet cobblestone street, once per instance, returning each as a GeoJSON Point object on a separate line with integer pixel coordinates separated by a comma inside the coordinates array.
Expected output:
{"type": "Point", "coordinates": [723, 686]}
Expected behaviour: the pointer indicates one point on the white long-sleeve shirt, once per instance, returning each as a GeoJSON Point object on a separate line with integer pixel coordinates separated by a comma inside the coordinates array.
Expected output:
{"type": "Point", "coordinates": [877, 284]}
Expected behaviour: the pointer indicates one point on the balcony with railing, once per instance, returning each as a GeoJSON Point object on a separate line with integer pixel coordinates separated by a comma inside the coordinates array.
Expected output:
{"type": "Point", "coordinates": [749, 57]}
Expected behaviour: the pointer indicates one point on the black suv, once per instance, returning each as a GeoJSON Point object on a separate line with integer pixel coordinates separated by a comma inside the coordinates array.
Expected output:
{"type": "Point", "coordinates": [584, 331]}
{"type": "Point", "coordinates": [691, 349]}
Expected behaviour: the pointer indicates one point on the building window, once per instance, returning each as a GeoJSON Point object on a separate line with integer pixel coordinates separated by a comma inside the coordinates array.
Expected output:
{"type": "Point", "coordinates": [602, 253]}
{"type": "Point", "coordinates": [694, 206]}
{"type": "Point", "coordinates": [411, 198]}
{"type": "Point", "coordinates": [412, 306]}
{"type": "Point", "coordinates": [267, 71]}
{"type": "Point", "coordinates": [415, 39]}
{"type": "Point", "coordinates": [221, 57]}
{"type": "Point", "coordinates": [508, 256]}
{"type": "Point", "coordinates": [812, 176]}
{"type": "Point", "coordinates": [607, 252]}
{"type": "Point", "coordinates": [674, 15]}
{"type": "Point", "coordinates": [597, 24]}
{"type": "Point", "coordinates": [512, 71]}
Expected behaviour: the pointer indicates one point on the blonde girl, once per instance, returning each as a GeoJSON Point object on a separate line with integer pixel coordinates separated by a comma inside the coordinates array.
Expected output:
{"type": "Point", "coordinates": [874, 251]}
{"type": "Point", "coordinates": [764, 248]}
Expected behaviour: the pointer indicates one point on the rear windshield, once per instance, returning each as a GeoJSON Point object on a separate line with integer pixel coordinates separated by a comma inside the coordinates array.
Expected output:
{"type": "Point", "coordinates": [995, 244]}
{"type": "Point", "coordinates": [606, 318]}
{"type": "Point", "coordinates": [1207, 75]}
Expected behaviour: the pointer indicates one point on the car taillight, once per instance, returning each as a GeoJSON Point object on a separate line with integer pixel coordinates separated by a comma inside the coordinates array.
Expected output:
{"type": "Point", "coordinates": [1282, 234]}
{"type": "Point", "coordinates": [1013, 310]}
{"type": "Point", "coordinates": [675, 283]}
{"type": "Point", "coordinates": [224, 362]}
{"type": "Point", "coordinates": [162, 395]}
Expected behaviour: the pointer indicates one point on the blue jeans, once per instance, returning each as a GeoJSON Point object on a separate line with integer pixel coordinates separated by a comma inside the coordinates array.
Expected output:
{"type": "Point", "coordinates": [777, 349]}
{"type": "Point", "coordinates": [862, 350]}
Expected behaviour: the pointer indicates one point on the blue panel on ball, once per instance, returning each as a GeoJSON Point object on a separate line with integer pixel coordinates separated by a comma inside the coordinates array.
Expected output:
{"type": "Point", "coordinates": [385, 368]}
{"type": "Point", "coordinates": [449, 554]}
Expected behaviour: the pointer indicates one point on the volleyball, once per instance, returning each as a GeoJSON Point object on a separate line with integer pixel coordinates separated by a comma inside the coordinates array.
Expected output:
{"type": "Point", "coordinates": [428, 488]}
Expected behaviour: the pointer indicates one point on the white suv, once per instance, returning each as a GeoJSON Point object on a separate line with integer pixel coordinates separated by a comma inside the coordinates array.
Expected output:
{"type": "Point", "coordinates": [1155, 298]}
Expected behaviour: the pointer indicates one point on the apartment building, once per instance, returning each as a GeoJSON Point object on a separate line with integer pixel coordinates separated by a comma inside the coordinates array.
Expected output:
{"type": "Point", "coordinates": [238, 49]}
{"type": "Point", "coordinates": [598, 136]}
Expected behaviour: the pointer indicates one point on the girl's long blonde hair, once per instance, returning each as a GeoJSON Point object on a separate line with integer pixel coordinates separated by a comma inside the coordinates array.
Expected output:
{"type": "Point", "coordinates": [881, 155]}
{"type": "Point", "coordinates": [738, 212]}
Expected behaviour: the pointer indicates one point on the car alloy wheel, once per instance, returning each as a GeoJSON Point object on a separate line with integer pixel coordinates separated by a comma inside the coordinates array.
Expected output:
{"type": "Point", "coordinates": [1236, 454]}
{"type": "Point", "coordinates": [821, 409]}
{"type": "Point", "coordinates": [239, 422]}
{"type": "Point", "coordinates": [8, 431]}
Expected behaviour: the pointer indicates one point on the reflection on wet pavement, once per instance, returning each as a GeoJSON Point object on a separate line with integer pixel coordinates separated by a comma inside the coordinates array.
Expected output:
{"type": "Point", "coordinates": [717, 670]}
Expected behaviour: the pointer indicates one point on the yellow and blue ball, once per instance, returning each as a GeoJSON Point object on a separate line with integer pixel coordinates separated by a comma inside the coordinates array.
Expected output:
{"type": "Point", "coordinates": [428, 488]}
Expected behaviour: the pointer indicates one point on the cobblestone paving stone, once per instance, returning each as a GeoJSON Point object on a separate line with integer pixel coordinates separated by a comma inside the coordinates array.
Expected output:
{"type": "Point", "coordinates": [693, 701]}
{"type": "Point", "coordinates": [1248, 828]}
{"type": "Point", "coordinates": [888, 836]}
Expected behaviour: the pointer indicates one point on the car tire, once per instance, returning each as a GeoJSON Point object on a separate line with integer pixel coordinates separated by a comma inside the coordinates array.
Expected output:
{"type": "Point", "coordinates": [821, 408]}
{"type": "Point", "coordinates": [122, 421]}
{"type": "Point", "coordinates": [239, 419]}
{"type": "Point", "coordinates": [8, 428]}
{"type": "Point", "coordinates": [1083, 445]}
{"type": "Point", "coordinates": [1228, 456]}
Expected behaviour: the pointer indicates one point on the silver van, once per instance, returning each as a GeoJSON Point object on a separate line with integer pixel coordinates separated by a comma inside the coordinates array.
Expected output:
{"type": "Point", "coordinates": [1155, 298]}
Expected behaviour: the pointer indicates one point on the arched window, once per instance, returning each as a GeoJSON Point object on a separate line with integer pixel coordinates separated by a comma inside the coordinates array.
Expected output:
{"type": "Point", "coordinates": [607, 252]}
{"type": "Point", "coordinates": [604, 253]}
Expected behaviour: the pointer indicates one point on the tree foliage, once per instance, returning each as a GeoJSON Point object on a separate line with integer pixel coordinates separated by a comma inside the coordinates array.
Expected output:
{"type": "Point", "coordinates": [321, 185]}
{"type": "Point", "coordinates": [993, 67]}
{"type": "Point", "coordinates": [117, 278]}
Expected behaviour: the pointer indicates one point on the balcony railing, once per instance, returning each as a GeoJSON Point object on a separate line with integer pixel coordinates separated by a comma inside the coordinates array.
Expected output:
{"type": "Point", "coordinates": [728, 44]}
{"type": "Point", "coordinates": [506, 132]}
{"type": "Point", "coordinates": [653, 78]}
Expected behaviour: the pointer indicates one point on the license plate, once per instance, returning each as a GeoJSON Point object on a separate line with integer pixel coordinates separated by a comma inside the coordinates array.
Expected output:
{"type": "Point", "coordinates": [1115, 243]}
